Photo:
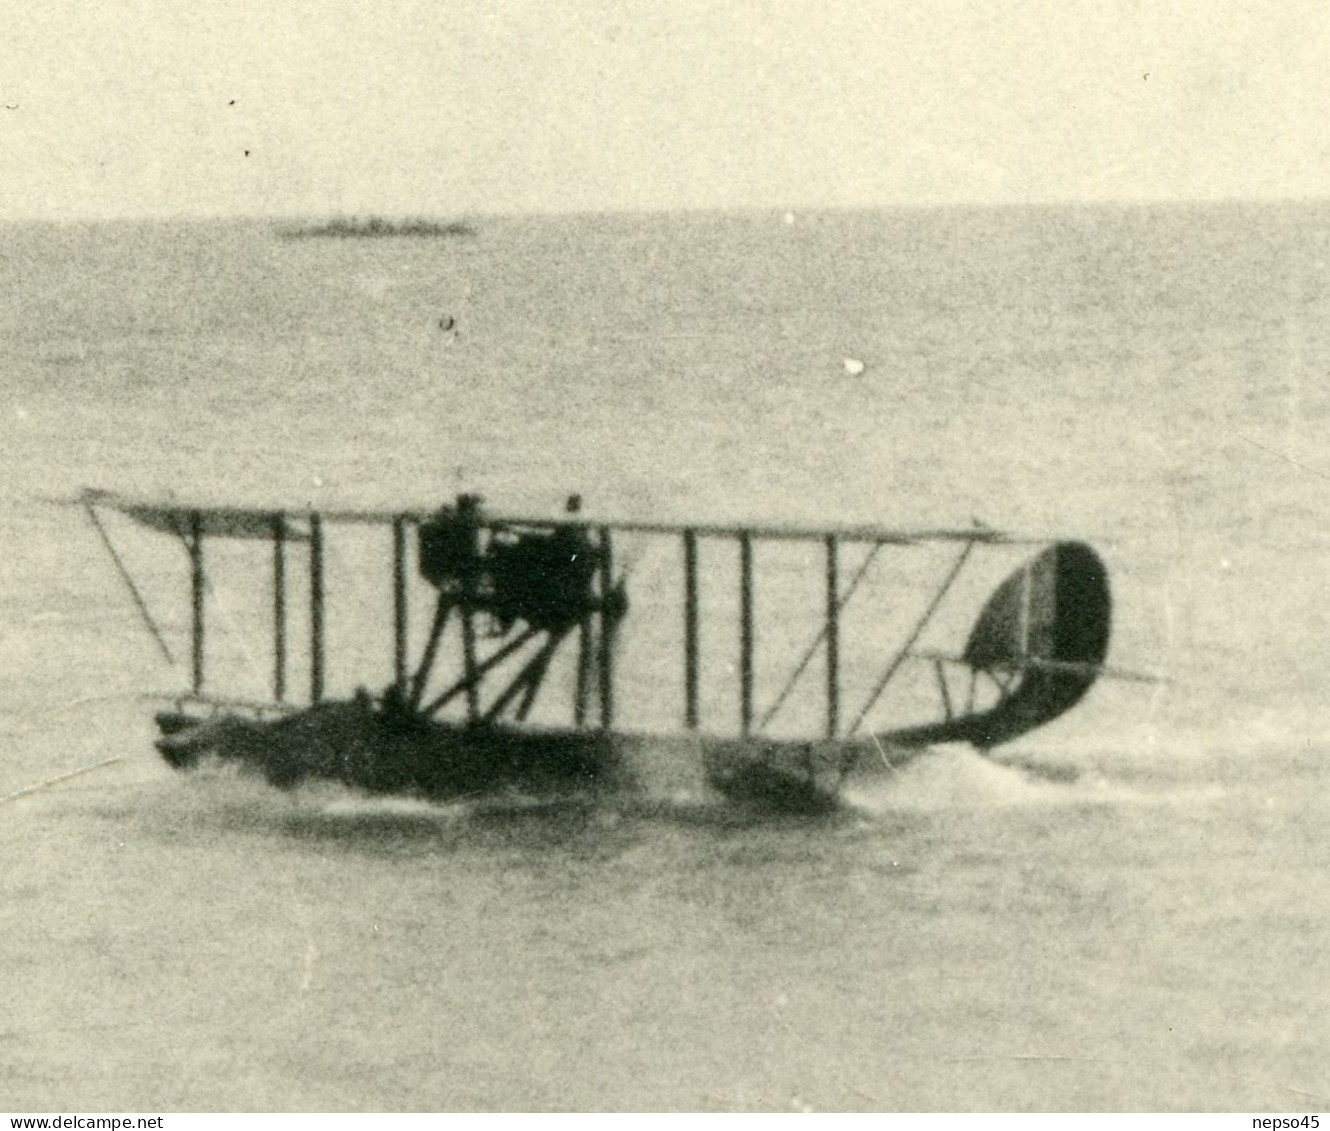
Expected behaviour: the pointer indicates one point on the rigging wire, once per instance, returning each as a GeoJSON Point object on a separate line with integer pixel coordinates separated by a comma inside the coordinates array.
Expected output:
{"type": "Point", "coordinates": [817, 640]}
{"type": "Point", "coordinates": [904, 651]}
{"type": "Point", "coordinates": [125, 575]}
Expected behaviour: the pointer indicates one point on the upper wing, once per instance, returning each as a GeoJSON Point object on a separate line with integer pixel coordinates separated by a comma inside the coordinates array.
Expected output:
{"type": "Point", "coordinates": [184, 517]}
{"type": "Point", "coordinates": [211, 521]}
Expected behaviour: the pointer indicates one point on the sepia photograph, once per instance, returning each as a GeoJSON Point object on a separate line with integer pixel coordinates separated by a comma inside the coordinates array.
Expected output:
{"type": "Point", "coordinates": [726, 556]}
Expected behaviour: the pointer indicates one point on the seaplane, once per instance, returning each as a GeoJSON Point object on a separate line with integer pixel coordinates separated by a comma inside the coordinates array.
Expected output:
{"type": "Point", "coordinates": [501, 639]}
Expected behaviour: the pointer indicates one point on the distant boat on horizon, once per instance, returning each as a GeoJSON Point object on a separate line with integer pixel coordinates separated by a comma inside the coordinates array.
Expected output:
{"type": "Point", "coordinates": [376, 227]}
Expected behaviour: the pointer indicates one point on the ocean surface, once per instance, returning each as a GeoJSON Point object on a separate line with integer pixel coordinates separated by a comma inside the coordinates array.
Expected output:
{"type": "Point", "coordinates": [1126, 910]}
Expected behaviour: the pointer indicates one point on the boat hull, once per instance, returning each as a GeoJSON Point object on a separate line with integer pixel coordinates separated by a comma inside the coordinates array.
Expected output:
{"type": "Point", "coordinates": [357, 744]}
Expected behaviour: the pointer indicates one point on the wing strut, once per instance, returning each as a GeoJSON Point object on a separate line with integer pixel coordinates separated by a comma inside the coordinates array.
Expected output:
{"type": "Point", "coordinates": [125, 576]}
{"type": "Point", "coordinates": [399, 606]}
{"type": "Point", "coordinates": [830, 632]}
{"type": "Point", "coordinates": [316, 628]}
{"type": "Point", "coordinates": [904, 652]}
{"type": "Point", "coordinates": [691, 668]}
{"type": "Point", "coordinates": [745, 632]}
{"type": "Point", "coordinates": [197, 584]}
{"type": "Point", "coordinates": [607, 613]}
{"type": "Point", "coordinates": [582, 688]}
{"type": "Point", "coordinates": [279, 607]}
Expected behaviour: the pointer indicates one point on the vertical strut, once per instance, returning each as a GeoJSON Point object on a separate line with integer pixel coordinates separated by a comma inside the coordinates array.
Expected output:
{"type": "Point", "coordinates": [196, 584]}
{"type": "Point", "coordinates": [583, 685]}
{"type": "Point", "coordinates": [833, 638]}
{"type": "Point", "coordinates": [468, 510]}
{"type": "Point", "coordinates": [279, 607]}
{"type": "Point", "coordinates": [811, 650]}
{"type": "Point", "coordinates": [315, 608]}
{"type": "Point", "coordinates": [745, 632]}
{"type": "Point", "coordinates": [690, 626]}
{"type": "Point", "coordinates": [469, 661]}
{"type": "Point", "coordinates": [606, 629]}
{"type": "Point", "coordinates": [399, 604]}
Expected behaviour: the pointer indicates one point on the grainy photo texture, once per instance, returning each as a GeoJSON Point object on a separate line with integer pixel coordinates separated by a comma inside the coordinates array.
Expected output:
{"type": "Point", "coordinates": [632, 557]}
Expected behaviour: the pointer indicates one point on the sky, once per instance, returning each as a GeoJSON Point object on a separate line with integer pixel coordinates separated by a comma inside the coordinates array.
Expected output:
{"type": "Point", "coordinates": [165, 108]}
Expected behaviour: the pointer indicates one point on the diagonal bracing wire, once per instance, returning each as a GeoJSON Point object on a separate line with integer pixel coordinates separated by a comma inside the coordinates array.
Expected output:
{"type": "Point", "coordinates": [817, 640]}
{"type": "Point", "coordinates": [128, 579]}
{"type": "Point", "coordinates": [903, 653]}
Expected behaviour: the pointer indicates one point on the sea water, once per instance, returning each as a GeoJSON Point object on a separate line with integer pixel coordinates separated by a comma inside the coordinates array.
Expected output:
{"type": "Point", "coordinates": [1125, 910]}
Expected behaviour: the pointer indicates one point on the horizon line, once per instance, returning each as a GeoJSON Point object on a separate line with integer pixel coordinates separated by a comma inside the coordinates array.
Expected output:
{"type": "Point", "coordinates": [794, 209]}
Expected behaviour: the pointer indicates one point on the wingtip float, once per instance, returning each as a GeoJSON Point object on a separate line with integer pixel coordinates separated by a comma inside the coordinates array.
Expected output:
{"type": "Point", "coordinates": [517, 592]}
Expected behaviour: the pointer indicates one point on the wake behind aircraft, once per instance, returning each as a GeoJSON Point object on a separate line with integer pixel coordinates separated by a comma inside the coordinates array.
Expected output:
{"type": "Point", "coordinates": [512, 599]}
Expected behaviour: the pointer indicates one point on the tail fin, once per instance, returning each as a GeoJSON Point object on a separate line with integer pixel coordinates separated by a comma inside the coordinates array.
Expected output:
{"type": "Point", "coordinates": [1042, 637]}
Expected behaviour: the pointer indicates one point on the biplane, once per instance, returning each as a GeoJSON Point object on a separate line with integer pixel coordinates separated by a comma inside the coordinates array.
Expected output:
{"type": "Point", "coordinates": [502, 642]}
